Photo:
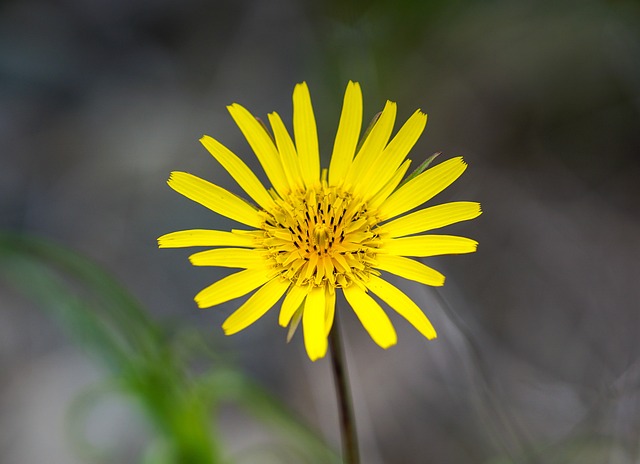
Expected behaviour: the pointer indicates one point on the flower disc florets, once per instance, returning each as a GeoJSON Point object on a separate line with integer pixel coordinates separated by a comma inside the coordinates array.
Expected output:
{"type": "Point", "coordinates": [323, 237]}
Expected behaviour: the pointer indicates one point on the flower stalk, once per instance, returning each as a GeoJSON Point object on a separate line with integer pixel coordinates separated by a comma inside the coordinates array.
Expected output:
{"type": "Point", "coordinates": [348, 433]}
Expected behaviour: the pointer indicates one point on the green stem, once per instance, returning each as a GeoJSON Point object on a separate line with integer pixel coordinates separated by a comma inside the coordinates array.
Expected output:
{"type": "Point", "coordinates": [345, 406]}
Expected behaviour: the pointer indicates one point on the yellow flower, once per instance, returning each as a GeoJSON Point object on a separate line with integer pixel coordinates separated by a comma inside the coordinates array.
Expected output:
{"type": "Point", "coordinates": [316, 230]}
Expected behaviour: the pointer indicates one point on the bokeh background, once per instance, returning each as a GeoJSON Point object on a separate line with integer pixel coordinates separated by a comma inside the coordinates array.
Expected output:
{"type": "Point", "coordinates": [537, 355]}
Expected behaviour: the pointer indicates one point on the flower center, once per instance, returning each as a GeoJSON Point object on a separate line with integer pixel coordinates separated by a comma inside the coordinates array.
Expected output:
{"type": "Point", "coordinates": [321, 237]}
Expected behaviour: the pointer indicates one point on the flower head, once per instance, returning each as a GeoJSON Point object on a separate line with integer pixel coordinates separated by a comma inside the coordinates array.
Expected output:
{"type": "Point", "coordinates": [317, 232]}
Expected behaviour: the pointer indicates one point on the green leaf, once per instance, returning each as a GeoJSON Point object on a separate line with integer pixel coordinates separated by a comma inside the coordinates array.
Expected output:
{"type": "Point", "coordinates": [102, 316]}
{"type": "Point", "coordinates": [420, 169]}
{"type": "Point", "coordinates": [373, 122]}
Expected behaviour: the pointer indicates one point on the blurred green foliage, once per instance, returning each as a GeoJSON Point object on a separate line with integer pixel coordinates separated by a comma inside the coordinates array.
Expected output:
{"type": "Point", "coordinates": [147, 363]}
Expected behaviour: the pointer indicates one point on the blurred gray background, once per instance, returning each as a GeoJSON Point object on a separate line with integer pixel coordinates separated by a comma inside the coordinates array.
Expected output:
{"type": "Point", "coordinates": [538, 331]}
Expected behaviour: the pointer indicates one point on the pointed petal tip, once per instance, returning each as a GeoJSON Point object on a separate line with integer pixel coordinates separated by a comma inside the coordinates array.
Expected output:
{"type": "Point", "coordinates": [389, 344]}
{"type": "Point", "coordinates": [391, 340]}
{"type": "Point", "coordinates": [439, 283]}
{"type": "Point", "coordinates": [314, 356]}
{"type": "Point", "coordinates": [301, 87]}
{"type": "Point", "coordinates": [174, 175]}
{"type": "Point", "coordinates": [200, 303]}
{"type": "Point", "coordinates": [206, 140]}
{"type": "Point", "coordinates": [317, 351]}
{"type": "Point", "coordinates": [455, 160]}
{"type": "Point", "coordinates": [234, 108]}
{"type": "Point", "coordinates": [162, 242]}
{"type": "Point", "coordinates": [229, 330]}
{"type": "Point", "coordinates": [353, 92]}
{"type": "Point", "coordinates": [419, 112]}
{"type": "Point", "coordinates": [354, 86]}
{"type": "Point", "coordinates": [171, 179]}
{"type": "Point", "coordinates": [474, 244]}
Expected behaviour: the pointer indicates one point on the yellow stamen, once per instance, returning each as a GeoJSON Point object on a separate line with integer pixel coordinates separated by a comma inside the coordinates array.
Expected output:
{"type": "Point", "coordinates": [321, 237]}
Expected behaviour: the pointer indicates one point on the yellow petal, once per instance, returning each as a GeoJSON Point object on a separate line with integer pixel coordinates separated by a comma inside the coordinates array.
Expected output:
{"type": "Point", "coordinates": [330, 309]}
{"type": "Point", "coordinates": [372, 147]}
{"type": "Point", "coordinates": [262, 146]}
{"type": "Point", "coordinates": [215, 198]}
{"type": "Point", "coordinates": [429, 245]}
{"type": "Point", "coordinates": [372, 316]}
{"type": "Point", "coordinates": [431, 218]}
{"type": "Point", "coordinates": [287, 149]}
{"type": "Point", "coordinates": [256, 306]}
{"type": "Point", "coordinates": [232, 286]}
{"type": "Point", "coordinates": [385, 165]}
{"type": "Point", "coordinates": [402, 304]}
{"type": "Point", "coordinates": [291, 303]}
{"type": "Point", "coordinates": [409, 269]}
{"type": "Point", "coordinates": [229, 257]}
{"type": "Point", "coordinates": [347, 135]}
{"type": "Point", "coordinates": [204, 237]}
{"type": "Point", "coordinates": [422, 188]}
{"type": "Point", "coordinates": [306, 135]}
{"type": "Point", "coordinates": [391, 185]}
{"type": "Point", "coordinates": [239, 171]}
{"type": "Point", "coordinates": [313, 317]}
